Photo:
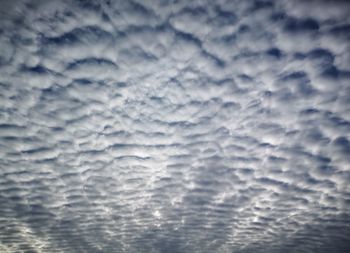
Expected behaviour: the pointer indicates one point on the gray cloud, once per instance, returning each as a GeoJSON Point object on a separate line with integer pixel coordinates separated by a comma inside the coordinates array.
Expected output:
{"type": "Point", "coordinates": [174, 126]}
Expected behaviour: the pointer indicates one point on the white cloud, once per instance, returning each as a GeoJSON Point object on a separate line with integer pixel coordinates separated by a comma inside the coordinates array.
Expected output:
{"type": "Point", "coordinates": [163, 126]}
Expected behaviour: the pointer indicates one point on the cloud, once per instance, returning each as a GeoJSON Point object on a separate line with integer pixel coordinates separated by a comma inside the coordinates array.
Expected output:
{"type": "Point", "coordinates": [174, 126]}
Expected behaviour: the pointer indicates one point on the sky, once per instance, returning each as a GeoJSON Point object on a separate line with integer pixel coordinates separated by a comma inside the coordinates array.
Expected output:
{"type": "Point", "coordinates": [175, 126]}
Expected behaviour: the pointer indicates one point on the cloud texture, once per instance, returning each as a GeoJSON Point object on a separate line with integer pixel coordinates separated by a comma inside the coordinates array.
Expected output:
{"type": "Point", "coordinates": [175, 126]}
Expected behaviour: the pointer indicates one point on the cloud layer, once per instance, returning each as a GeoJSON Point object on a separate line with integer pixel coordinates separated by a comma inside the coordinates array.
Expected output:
{"type": "Point", "coordinates": [175, 126]}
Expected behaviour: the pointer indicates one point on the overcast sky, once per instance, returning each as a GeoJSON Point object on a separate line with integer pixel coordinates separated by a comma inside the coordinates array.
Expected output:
{"type": "Point", "coordinates": [175, 126]}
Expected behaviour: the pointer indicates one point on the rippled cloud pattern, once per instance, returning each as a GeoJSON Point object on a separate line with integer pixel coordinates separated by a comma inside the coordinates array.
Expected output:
{"type": "Point", "coordinates": [175, 126]}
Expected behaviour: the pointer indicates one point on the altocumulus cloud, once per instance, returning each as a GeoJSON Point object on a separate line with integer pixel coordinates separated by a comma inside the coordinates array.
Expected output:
{"type": "Point", "coordinates": [175, 126]}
